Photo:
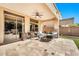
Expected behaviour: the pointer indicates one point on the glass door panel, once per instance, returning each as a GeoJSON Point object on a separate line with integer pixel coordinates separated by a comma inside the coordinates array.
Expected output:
{"type": "Point", "coordinates": [14, 27]}
{"type": "Point", "coordinates": [10, 31]}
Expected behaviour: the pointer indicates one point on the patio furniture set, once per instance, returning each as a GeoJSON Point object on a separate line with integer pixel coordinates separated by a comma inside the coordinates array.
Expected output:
{"type": "Point", "coordinates": [43, 37]}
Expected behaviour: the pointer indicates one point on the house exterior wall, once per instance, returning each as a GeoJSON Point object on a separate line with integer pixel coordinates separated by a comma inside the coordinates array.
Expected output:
{"type": "Point", "coordinates": [1, 25]}
{"type": "Point", "coordinates": [49, 23]}
{"type": "Point", "coordinates": [2, 9]}
{"type": "Point", "coordinates": [54, 10]}
{"type": "Point", "coordinates": [66, 22]}
{"type": "Point", "coordinates": [27, 24]}
{"type": "Point", "coordinates": [53, 22]}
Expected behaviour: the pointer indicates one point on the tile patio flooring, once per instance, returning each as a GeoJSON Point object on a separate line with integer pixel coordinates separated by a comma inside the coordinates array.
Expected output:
{"type": "Point", "coordinates": [56, 47]}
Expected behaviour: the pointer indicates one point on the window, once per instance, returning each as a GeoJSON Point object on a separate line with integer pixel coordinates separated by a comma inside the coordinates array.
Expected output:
{"type": "Point", "coordinates": [33, 25]}
{"type": "Point", "coordinates": [10, 26]}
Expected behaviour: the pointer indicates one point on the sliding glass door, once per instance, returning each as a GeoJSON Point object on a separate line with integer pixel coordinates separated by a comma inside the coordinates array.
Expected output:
{"type": "Point", "coordinates": [14, 28]}
{"type": "Point", "coordinates": [33, 25]}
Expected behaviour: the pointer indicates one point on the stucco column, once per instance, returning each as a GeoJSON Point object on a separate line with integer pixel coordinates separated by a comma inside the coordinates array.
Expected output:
{"type": "Point", "coordinates": [1, 25]}
{"type": "Point", "coordinates": [40, 26]}
{"type": "Point", "coordinates": [27, 24]}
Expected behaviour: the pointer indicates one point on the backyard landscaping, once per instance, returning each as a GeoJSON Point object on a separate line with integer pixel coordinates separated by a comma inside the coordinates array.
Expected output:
{"type": "Point", "coordinates": [75, 39]}
{"type": "Point", "coordinates": [76, 42]}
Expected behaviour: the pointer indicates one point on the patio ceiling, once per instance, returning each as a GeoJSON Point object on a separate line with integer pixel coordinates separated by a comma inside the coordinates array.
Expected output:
{"type": "Point", "coordinates": [30, 9]}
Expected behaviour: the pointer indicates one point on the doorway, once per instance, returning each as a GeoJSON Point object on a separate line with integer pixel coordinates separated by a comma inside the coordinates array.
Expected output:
{"type": "Point", "coordinates": [33, 25]}
{"type": "Point", "coordinates": [14, 25]}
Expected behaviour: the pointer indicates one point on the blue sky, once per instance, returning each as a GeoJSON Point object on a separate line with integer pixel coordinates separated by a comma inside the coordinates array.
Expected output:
{"type": "Point", "coordinates": [69, 10]}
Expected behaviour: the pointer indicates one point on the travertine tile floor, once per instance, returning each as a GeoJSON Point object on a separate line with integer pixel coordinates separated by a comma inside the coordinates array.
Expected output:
{"type": "Point", "coordinates": [56, 47]}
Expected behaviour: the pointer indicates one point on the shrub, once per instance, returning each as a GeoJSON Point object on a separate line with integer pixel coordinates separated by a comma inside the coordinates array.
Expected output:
{"type": "Point", "coordinates": [74, 25]}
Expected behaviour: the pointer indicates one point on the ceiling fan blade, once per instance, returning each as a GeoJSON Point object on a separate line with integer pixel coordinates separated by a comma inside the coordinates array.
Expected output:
{"type": "Point", "coordinates": [39, 16]}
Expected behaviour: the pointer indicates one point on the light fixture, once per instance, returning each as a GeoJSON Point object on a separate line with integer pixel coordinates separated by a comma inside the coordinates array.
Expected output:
{"type": "Point", "coordinates": [37, 14]}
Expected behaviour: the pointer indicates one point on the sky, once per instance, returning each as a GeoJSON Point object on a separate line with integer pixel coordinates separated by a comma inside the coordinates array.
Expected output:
{"type": "Point", "coordinates": [69, 10]}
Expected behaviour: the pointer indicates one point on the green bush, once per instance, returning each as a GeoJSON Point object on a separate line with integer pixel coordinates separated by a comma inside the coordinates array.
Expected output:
{"type": "Point", "coordinates": [74, 25]}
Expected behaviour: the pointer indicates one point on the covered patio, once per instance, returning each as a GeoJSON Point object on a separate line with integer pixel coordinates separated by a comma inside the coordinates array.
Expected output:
{"type": "Point", "coordinates": [27, 19]}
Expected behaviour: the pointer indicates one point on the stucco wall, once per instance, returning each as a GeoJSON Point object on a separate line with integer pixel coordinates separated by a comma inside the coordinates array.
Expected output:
{"type": "Point", "coordinates": [1, 25]}
{"type": "Point", "coordinates": [27, 24]}
{"type": "Point", "coordinates": [53, 22]}
{"type": "Point", "coordinates": [54, 10]}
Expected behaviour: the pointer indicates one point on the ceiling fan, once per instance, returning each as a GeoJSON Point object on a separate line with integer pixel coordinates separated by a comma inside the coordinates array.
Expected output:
{"type": "Point", "coordinates": [37, 15]}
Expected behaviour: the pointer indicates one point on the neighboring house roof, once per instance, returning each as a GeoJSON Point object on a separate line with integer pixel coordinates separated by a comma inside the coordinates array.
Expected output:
{"type": "Point", "coordinates": [67, 21]}
{"type": "Point", "coordinates": [72, 18]}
